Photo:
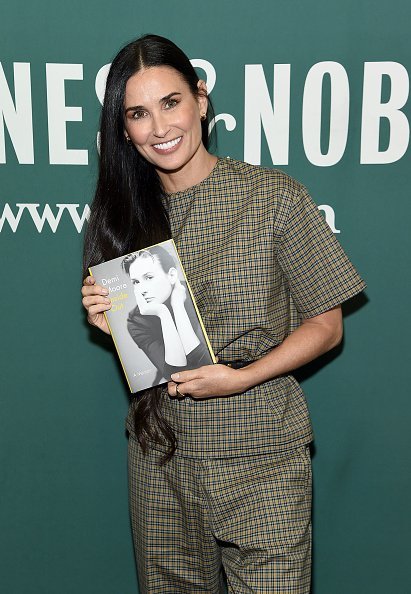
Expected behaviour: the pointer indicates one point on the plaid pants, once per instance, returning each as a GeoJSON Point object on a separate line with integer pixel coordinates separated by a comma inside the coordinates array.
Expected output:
{"type": "Point", "coordinates": [193, 517]}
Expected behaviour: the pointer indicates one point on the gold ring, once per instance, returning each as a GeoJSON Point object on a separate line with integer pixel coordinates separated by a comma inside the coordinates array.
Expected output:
{"type": "Point", "coordinates": [178, 393]}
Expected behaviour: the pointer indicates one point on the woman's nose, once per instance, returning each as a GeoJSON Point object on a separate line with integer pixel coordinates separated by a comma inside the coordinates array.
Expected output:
{"type": "Point", "coordinates": [160, 126]}
{"type": "Point", "coordinates": [140, 288]}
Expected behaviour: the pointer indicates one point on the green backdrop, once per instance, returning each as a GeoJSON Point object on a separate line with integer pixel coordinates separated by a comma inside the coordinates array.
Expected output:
{"type": "Point", "coordinates": [340, 125]}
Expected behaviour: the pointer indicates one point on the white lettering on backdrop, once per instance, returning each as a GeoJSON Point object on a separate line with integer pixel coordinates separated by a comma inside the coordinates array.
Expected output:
{"type": "Point", "coordinates": [339, 113]}
{"type": "Point", "coordinates": [39, 219]}
{"type": "Point", "coordinates": [59, 114]}
{"type": "Point", "coordinates": [261, 114]}
{"type": "Point", "coordinates": [374, 110]}
{"type": "Point", "coordinates": [78, 220]}
{"type": "Point", "coordinates": [17, 115]}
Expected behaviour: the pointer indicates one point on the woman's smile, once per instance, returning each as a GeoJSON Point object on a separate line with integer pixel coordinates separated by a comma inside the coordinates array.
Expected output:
{"type": "Point", "coordinates": [164, 148]}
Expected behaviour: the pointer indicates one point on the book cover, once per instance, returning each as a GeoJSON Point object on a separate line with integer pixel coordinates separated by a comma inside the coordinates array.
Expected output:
{"type": "Point", "coordinates": [154, 321]}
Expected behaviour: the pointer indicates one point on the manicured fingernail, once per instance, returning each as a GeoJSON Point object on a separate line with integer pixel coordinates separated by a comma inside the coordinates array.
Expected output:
{"type": "Point", "coordinates": [104, 291]}
{"type": "Point", "coordinates": [107, 300]}
{"type": "Point", "coordinates": [175, 376]}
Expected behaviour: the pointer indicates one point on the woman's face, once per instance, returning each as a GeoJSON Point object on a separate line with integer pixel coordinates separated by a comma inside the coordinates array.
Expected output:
{"type": "Point", "coordinates": [162, 118]}
{"type": "Point", "coordinates": [150, 280]}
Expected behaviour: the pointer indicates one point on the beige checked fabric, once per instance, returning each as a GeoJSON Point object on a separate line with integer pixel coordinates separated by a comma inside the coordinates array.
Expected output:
{"type": "Point", "coordinates": [250, 515]}
{"type": "Point", "coordinates": [259, 257]}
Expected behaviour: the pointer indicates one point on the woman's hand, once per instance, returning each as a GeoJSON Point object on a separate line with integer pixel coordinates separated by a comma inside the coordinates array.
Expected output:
{"type": "Point", "coordinates": [209, 381]}
{"type": "Point", "coordinates": [146, 308]}
{"type": "Point", "coordinates": [96, 302]}
{"type": "Point", "coordinates": [178, 295]}
{"type": "Point", "coordinates": [315, 336]}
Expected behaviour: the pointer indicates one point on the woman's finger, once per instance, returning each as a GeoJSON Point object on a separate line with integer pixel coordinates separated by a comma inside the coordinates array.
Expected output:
{"type": "Point", "coordinates": [172, 388]}
{"type": "Point", "coordinates": [187, 376]}
{"type": "Point", "coordinates": [95, 300]}
{"type": "Point", "coordinates": [98, 309]}
{"type": "Point", "coordinates": [93, 290]}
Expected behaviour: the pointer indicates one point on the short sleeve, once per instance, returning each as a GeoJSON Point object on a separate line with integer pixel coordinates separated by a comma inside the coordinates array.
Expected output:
{"type": "Point", "coordinates": [319, 274]}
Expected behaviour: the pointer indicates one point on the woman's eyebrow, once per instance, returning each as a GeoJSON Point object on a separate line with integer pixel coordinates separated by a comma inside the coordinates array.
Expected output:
{"type": "Point", "coordinates": [167, 97]}
{"type": "Point", "coordinates": [162, 100]}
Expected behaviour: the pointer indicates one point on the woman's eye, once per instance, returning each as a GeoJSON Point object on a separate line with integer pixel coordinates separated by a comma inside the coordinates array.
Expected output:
{"type": "Point", "coordinates": [170, 103]}
{"type": "Point", "coordinates": [135, 282]}
{"type": "Point", "coordinates": [137, 115]}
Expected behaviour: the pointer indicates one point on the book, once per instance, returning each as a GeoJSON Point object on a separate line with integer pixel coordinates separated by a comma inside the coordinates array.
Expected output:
{"type": "Point", "coordinates": [154, 321]}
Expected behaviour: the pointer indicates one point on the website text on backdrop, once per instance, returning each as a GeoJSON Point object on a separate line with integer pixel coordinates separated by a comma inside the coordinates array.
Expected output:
{"type": "Point", "coordinates": [218, 457]}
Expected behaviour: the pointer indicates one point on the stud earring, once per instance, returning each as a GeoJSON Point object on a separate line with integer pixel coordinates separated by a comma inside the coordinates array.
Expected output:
{"type": "Point", "coordinates": [203, 117]}
{"type": "Point", "coordinates": [128, 139]}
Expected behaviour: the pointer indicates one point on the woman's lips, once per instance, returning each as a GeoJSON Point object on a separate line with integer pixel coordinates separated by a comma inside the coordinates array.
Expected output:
{"type": "Point", "coordinates": [167, 147]}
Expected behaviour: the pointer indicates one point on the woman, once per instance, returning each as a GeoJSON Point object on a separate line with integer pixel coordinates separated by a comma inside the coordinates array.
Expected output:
{"type": "Point", "coordinates": [219, 462]}
{"type": "Point", "coordinates": [163, 324]}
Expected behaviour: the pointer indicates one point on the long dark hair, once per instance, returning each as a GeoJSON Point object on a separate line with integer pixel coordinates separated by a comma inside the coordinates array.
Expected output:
{"type": "Point", "coordinates": [128, 212]}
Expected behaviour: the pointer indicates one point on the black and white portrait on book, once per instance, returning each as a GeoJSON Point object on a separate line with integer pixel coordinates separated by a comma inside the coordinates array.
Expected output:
{"type": "Point", "coordinates": [153, 310]}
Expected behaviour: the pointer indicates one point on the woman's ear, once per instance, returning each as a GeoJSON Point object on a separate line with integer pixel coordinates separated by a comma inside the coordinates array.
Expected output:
{"type": "Point", "coordinates": [173, 275]}
{"type": "Point", "coordinates": [202, 97]}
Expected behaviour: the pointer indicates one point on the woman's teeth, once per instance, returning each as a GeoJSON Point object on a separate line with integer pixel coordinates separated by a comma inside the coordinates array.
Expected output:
{"type": "Point", "coordinates": [167, 145]}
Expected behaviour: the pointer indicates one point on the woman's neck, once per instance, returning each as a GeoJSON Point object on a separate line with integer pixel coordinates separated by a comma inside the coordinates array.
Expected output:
{"type": "Point", "coordinates": [190, 174]}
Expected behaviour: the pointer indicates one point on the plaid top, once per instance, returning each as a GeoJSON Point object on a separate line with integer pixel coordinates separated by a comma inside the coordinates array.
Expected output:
{"type": "Point", "coordinates": [259, 257]}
